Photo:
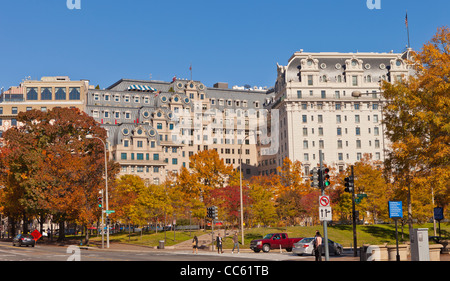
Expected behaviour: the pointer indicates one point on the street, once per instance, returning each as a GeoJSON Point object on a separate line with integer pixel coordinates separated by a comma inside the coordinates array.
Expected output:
{"type": "Point", "coordinates": [118, 252]}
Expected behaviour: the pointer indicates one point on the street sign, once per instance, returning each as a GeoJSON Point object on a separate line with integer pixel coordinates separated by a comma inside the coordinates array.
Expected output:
{"type": "Point", "coordinates": [395, 209]}
{"type": "Point", "coordinates": [438, 213]}
{"type": "Point", "coordinates": [36, 235]}
{"type": "Point", "coordinates": [324, 201]}
{"type": "Point", "coordinates": [109, 211]}
{"type": "Point", "coordinates": [325, 214]}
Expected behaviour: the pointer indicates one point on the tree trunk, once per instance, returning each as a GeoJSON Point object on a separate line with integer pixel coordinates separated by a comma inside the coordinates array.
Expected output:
{"type": "Point", "coordinates": [62, 232]}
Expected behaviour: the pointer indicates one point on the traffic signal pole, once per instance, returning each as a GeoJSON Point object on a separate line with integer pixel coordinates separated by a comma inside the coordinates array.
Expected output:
{"type": "Point", "coordinates": [325, 224]}
{"type": "Point", "coordinates": [355, 251]}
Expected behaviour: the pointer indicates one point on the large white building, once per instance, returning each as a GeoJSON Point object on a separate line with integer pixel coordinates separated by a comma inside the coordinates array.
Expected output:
{"type": "Point", "coordinates": [321, 101]}
{"type": "Point", "coordinates": [331, 102]}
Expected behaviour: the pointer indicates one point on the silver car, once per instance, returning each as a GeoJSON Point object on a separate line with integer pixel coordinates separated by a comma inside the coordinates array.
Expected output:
{"type": "Point", "coordinates": [306, 247]}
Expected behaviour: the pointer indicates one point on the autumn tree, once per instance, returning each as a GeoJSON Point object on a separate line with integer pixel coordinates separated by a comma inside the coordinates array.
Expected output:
{"type": "Point", "coordinates": [49, 168]}
{"type": "Point", "coordinates": [263, 209]}
{"type": "Point", "coordinates": [417, 122]}
{"type": "Point", "coordinates": [206, 172]}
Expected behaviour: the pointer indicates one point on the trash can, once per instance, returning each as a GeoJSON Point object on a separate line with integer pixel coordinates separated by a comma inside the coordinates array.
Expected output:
{"type": "Point", "coordinates": [363, 252]}
{"type": "Point", "coordinates": [161, 244]}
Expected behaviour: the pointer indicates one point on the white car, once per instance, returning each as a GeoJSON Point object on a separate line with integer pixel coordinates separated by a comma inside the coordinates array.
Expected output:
{"type": "Point", "coordinates": [306, 247]}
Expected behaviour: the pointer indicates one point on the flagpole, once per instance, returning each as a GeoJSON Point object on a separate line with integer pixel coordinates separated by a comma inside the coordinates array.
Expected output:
{"type": "Point", "coordinates": [407, 28]}
{"type": "Point", "coordinates": [190, 68]}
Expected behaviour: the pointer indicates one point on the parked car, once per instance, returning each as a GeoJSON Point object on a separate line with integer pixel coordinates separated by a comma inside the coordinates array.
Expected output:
{"type": "Point", "coordinates": [306, 247]}
{"type": "Point", "coordinates": [24, 239]}
{"type": "Point", "coordinates": [273, 241]}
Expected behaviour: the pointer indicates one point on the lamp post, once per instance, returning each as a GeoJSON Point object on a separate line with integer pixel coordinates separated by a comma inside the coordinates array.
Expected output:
{"type": "Point", "coordinates": [240, 188]}
{"type": "Point", "coordinates": [106, 188]}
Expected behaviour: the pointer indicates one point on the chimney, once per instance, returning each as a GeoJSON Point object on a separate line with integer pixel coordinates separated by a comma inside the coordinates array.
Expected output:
{"type": "Point", "coordinates": [221, 85]}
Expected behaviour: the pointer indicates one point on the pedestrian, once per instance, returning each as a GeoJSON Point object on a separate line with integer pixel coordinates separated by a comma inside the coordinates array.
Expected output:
{"type": "Point", "coordinates": [235, 242]}
{"type": "Point", "coordinates": [219, 244]}
{"type": "Point", "coordinates": [318, 246]}
{"type": "Point", "coordinates": [195, 245]}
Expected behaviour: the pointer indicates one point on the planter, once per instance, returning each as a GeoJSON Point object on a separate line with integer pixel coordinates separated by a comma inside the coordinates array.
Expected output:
{"type": "Point", "coordinates": [435, 252]}
{"type": "Point", "coordinates": [376, 252]}
{"type": "Point", "coordinates": [402, 251]}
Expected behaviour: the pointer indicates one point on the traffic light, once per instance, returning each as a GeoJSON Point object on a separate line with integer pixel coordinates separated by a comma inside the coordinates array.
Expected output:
{"type": "Point", "coordinates": [349, 184]}
{"type": "Point", "coordinates": [215, 212]}
{"type": "Point", "coordinates": [314, 177]}
{"type": "Point", "coordinates": [209, 213]}
{"type": "Point", "coordinates": [326, 177]}
{"type": "Point", "coordinates": [100, 201]}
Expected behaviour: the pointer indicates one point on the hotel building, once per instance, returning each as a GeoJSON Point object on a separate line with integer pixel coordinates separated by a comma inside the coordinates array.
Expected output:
{"type": "Point", "coordinates": [320, 101]}
{"type": "Point", "coordinates": [332, 102]}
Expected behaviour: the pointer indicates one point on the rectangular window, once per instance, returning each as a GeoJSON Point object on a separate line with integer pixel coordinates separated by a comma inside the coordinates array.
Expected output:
{"type": "Point", "coordinates": [305, 144]}
{"type": "Point", "coordinates": [46, 93]}
{"type": "Point", "coordinates": [323, 94]}
{"type": "Point", "coordinates": [174, 161]}
{"type": "Point", "coordinates": [140, 156]}
{"type": "Point", "coordinates": [299, 94]}
{"type": "Point", "coordinates": [74, 94]}
{"type": "Point", "coordinates": [156, 156]}
{"type": "Point", "coordinates": [310, 80]}
{"type": "Point", "coordinates": [60, 93]}
{"type": "Point", "coordinates": [139, 144]}
{"type": "Point", "coordinates": [123, 156]}
{"type": "Point", "coordinates": [354, 80]}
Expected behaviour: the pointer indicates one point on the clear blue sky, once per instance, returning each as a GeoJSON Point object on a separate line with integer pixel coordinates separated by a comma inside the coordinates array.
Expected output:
{"type": "Point", "coordinates": [238, 42]}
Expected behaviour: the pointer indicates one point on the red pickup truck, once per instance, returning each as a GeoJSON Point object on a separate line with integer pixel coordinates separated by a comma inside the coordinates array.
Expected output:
{"type": "Point", "coordinates": [273, 241]}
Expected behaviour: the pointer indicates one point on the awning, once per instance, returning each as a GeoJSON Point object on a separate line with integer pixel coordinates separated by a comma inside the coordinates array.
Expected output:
{"type": "Point", "coordinates": [141, 88]}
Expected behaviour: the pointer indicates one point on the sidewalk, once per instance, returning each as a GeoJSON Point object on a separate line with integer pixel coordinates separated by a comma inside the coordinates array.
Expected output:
{"type": "Point", "coordinates": [348, 255]}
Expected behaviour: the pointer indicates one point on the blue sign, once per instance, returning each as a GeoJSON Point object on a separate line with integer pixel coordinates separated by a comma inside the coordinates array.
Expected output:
{"type": "Point", "coordinates": [438, 213]}
{"type": "Point", "coordinates": [395, 209]}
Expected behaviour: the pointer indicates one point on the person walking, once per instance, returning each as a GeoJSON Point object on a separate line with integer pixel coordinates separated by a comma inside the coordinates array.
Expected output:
{"type": "Point", "coordinates": [318, 246]}
{"type": "Point", "coordinates": [235, 242]}
{"type": "Point", "coordinates": [195, 245]}
{"type": "Point", "coordinates": [219, 244]}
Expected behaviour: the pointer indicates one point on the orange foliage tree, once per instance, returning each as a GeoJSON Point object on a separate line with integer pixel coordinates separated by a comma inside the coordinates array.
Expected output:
{"type": "Point", "coordinates": [51, 169]}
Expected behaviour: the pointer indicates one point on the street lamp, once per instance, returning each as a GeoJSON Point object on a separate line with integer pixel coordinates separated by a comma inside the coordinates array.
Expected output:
{"type": "Point", "coordinates": [106, 187]}
{"type": "Point", "coordinates": [240, 187]}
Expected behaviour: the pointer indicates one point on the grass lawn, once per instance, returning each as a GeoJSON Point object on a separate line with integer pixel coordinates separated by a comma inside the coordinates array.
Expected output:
{"type": "Point", "coordinates": [343, 234]}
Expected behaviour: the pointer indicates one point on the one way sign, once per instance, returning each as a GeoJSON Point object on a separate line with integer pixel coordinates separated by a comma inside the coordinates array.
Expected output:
{"type": "Point", "coordinates": [325, 214]}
